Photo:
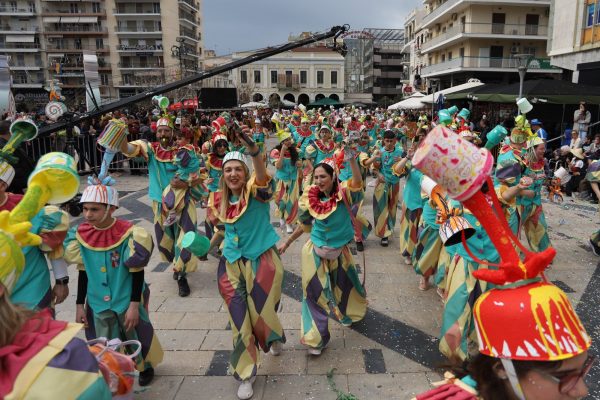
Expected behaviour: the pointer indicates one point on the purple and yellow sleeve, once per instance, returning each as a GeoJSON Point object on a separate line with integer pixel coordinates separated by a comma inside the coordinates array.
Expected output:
{"type": "Point", "coordinates": [140, 149]}
{"type": "Point", "coordinates": [55, 224]}
{"type": "Point", "coordinates": [264, 192]}
{"type": "Point", "coordinates": [72, 249]}
{"type": "Point", "coordinates": [140, 249]}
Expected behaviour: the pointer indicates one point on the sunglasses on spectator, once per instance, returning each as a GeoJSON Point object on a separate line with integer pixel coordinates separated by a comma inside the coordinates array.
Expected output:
{"type": "Point", "coordinates": [566, 382]}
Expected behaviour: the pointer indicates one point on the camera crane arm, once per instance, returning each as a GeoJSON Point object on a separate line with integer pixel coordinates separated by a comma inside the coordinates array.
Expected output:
{"type": "Point", "coordinates": [335, 32]}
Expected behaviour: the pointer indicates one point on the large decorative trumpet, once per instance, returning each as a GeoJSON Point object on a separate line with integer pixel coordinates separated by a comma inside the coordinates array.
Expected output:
{"type": "Point", "coordinates": [111, 139]}
{"type": "Point", "coordinates": [452, 224]}
{"type": "Point", "coordinates": [21, 130]}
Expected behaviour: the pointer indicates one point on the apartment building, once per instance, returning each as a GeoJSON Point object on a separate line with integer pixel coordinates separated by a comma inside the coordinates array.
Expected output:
{"type": "Point", "coordinates": [301, 75]}
{"type": "Point", "coordinates": [139, 44]}
{"type": "Point", "coordinates": [574, 39]}
{"type": "Point", "coordinates": [414, 37]}
{"type": "Point", "coordinates": [481, 39]}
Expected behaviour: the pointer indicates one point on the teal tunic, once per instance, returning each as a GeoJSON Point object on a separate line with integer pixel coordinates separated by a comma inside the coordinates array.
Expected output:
{"type": "Point", "coordinates": [334, 230]}
{"type": "Point", "coordinates": [412, 190]}
{"type": "Point", "coordinates": [302, 142]}
{"type": "Point", "coordinates": [317, 155]}
{"type": "Point", "coordinates": [387, 160]}
{"type": "Point", "coordinates": [250, 233]}
{"type": "Point", "coordinates": [288, 171]}
{"type": "Point", "coordinates": [34, 283]}
{"type": "Point", "coordinates": [161, 168]}
{"type": "Point", "coordinates": [538, 176]}
{"type": "Point", "coordinates": [109, 268]}
{"type": "Point", "coordinates": [429, 216]}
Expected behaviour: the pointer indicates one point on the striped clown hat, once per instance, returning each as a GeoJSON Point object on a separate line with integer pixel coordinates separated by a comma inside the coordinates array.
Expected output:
{"type": "Point", "coordinates": [101, 194]}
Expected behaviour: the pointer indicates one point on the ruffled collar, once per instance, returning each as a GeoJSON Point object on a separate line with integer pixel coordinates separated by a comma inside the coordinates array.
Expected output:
{"type": "Point", "coordinates": [214, 161]}
{"type": "Point", "coordinates": [318, 207]}
{"type": "Point", "coordinates": [104, 239]}
{"type": "Point", "coordinates": [304, 134]}
{"type": "Point", "coordinates": [324, 147]}
{"type": "Point", "coordinates": [165, 155]}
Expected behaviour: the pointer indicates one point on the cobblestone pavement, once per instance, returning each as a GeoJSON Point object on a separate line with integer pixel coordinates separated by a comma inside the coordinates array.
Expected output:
{"type": "Point", "coordinates": [392, 354]}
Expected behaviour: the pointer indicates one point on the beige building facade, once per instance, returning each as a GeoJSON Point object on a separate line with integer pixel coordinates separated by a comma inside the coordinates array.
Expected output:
{"type": "Point", "coordinates": [301, 75]}
{"type": "Point", "coordinates": [481, 39]}
{"type": "Point", "coordinates": [139, 44]}
{"type": "Point", "coordinates": [574, 39]}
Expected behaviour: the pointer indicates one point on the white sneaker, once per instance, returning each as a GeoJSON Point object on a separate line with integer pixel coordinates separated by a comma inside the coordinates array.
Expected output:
{"type": "Point", "coordinates": [313, 351]}
{"type": "Point", "coordinates": [289, 229]}
{"type": "Point", "coordinates": [281, 224]}
{"type": "Point", "coordinates": [407, 261]}
{"type": "Point", "coordinates": [276, 348]}
{"type": "Point", "coordinates": [245, 390]}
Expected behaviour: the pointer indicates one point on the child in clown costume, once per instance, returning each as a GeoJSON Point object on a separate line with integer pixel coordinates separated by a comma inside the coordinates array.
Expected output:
{"type": "Point", "coordinates": [250, 272]}
{"type": "Point", "coordinates": [329, 277]}
{"type": "Point", "coordinates": [532, 220]}
{"type": "Point", "coordinates": [33, 289]}
{"type": "Point", "coordinates": [112, 297]}
{"type": "Point", "coordinates": [161, 173]}
{"type": "Point", "coordinates": [385, 195]}
{"type": "Point", "coordinates": [286, 161]}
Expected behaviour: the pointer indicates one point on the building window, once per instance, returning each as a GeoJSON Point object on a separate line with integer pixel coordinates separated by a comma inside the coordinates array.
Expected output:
{"type": "Point", "coordinates": [320, 75]}
{"type": "Point", "coordinates": [303, 77]}
{"type": "Point", "coordinates": [529, 50]}
{"type": "Point", "coordinates": [156, 8]}
{"type": "Point", "coordinates": [95, 7]}
{"type": "Point", "coordinates": [449, 55]}
{"type": "Point", "coordinates": [590, 15]}
{"type": "Point", "coordinates": [74, 8]}
{"type": "Point", "coordinates": [243, 76]}
{"type": "Point", "coordinates": [256, 76]}
{"type": "Point", "coordinates": [99, 43]}
{"type": "Point", "coordinates": [104, 80]}
{"type": "Point", "coordinates": [273, 76]}
{"type": "Point", "coordinates": [334, 77]}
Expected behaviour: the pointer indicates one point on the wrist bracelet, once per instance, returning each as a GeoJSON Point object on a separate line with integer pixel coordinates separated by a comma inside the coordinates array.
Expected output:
{"type": "Point", "coordinates": [255, 154]}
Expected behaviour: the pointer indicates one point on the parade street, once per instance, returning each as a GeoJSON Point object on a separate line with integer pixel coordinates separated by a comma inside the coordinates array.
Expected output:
{"type": "Point", "coordinates": [391, 354]}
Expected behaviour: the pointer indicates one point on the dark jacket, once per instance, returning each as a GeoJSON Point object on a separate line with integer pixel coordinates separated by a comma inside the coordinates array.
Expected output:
{"type": "Point", "coordinates": [23, 167]}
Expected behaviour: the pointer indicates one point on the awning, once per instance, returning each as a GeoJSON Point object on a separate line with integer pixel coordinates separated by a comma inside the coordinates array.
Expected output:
{"type": "Point", "coordinates": [88, 20]}
{"type": "Point", "coordinates": [68, 19]}
{"type": "Point", "coordinates": [51, 19]}
{"type": "Point", "coordinates": [470, 84]}
{"type": "Point", "coordinates": [20, 38]}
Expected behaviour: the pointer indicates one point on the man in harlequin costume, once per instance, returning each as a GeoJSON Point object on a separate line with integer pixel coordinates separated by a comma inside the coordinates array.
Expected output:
{"type": "Point", "coordinates": [161, 172]}
{"type": "Point", "coordinates": [112, 297]}
{"type": "Point", "coordinates": [33, 289]}
{"type": "Point", "coordinates": [531, 343]}
{"type": "Point", "coordinates": [302, 136]}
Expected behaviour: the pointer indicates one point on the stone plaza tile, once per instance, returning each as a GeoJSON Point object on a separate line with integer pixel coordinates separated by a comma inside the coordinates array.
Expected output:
{"type": "Point", "coordinates": [191, 304]}
{"type": "Point", "coordinates": [347, 361]}
{"type": "Point", "coordinates": [289, 320]}
{"type": "Point", "coordinates": [356, 341]}
{"type": "Point", "coordinates": [216, 387]}
{"type": "Point", "coordinates": [185, 363]}
{"type": "Point", "coordinates": [388, 386]}
{"type": "Point", "coordinates": [293, 387]}
{"type": "Point", "coordinates": [397, 363]}
{"type": "Point", "coordinates": [289, 362]}
{"type": "Point", "coordinates": [165, 320]}
{"type": "Point", "coordinates": [172, 339]}
{"type": "Point", "coordinates": [155, 301]}
{"type": "Point", "coordinates": [217, 340]}
{"type": "Point", "coordinates": [203, 320]}
{"type": "Point", "coordinates": [162, 388]}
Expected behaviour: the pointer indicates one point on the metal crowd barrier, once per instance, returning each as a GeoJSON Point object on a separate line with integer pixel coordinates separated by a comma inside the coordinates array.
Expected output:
{"type": "Point", "coordinates": [86, 152]}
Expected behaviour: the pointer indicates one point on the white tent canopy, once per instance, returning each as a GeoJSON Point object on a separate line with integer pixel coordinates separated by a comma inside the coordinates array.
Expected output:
{"type": "Point", "coordinates": [412, 102]}
{"type": "Point", "coordinates": [254, 104]}
{"type": "Point", "coordinates": [470, 84]}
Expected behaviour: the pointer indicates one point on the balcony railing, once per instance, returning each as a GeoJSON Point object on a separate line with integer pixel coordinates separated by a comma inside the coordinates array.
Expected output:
{"type": "Point", "coordinates": [124, 10]}
{"type": "Point", "coordinates": [17, 10]}
{"type": "Point", "coordinates": [140, 47]}
{"type": "Point", "coordinates": [19, 46]}
{"type": "Point", "coordinates": [18, 29]}
{"type": "Point", "coordinates": [73, 29]}
{"type": "Point", "coordinates": [133, 65]}
{"type": "Point", "coordinates": [190, 3]}
{"type": "Point", "coordinates": [71, 47]}
{"type": "Point", "coordinates": [137, 29]}
{"type": "Point", "coordinates": [476, 28]}
{"type": "Point", "coordinates": [487, 63]}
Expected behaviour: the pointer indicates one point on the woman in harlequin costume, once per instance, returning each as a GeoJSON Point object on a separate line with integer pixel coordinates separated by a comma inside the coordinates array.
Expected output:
{"type": "Point", "coordinates": [161, 172]}
{"type": "Point", "coordinates": [33, 289]}
{"type": "Point", "coordinates": [112, 297]}
{"type": "Point", "coordinates": [532, 345]}
{"type": "Point", "coordinates": [330, 280]}
{"type": "Point", "coordinates": [385, 195]}
{"type": "Point", "coordinates": [250, 273]}
{"type": "Point", "coordinates": [286, 161]}
{"type": "Point", "coordinates": [532, 220]}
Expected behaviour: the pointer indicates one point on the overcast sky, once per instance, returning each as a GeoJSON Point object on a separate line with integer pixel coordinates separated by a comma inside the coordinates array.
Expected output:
{"type": "Point", "coordinates": [237, 25]}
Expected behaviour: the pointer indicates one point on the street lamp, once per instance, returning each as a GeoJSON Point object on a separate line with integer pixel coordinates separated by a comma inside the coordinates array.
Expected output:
{"type": "Point", "coordinates": [523, 62]}
{"type": "Point", "coordinates": [434, 85]}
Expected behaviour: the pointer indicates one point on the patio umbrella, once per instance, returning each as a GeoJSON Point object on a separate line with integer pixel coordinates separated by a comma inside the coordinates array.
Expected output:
{"type": "Point", "coordinates": [411, 103]}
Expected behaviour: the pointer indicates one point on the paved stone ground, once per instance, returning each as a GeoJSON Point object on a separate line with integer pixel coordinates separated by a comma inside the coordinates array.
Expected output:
{"type": "Point", "coordinates": [392, 354]}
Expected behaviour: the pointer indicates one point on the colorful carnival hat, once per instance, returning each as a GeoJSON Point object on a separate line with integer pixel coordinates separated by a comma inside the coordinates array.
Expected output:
{"type": "Point", "coordinates": [524, 318]}
{"type": "Point", "coordinates": [164, 121]}
{"type": "Point", "coordinates": [99, 193]}
{"type": "Point", "coordinates": [235, 155]}
{"type": "Point", "coordinates": [218, 137]}
{"type": "Point", "coordinates": [283, 135]}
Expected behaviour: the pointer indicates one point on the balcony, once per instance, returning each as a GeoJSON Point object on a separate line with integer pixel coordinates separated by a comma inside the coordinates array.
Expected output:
{"type": "Point", "coordinates": [139, 47]}
{"type": "Point", "coordinates": [485, 30]}
{"type": "Point", "coordinates": [72, 48]}
{"type": "Point", "coordinates": [288, 82]}
{"type": "Point", "coordinates": [189, 4]}
{"type": "Point", "coordinates": [25, 66]}
{"type": "Point", "coordinates": [454, 6]}
{"type": "Point", "coordinates": [24, 82]}
{"type": "Point", "coordinates": [391, 62]}
{"type": "Point", "coordinates": [490, 64]}
{"type": "Point", "coordinates": [66, 13]}
{"type": "Point", "coordinates": [135, 12]}
{"type": "Point", "coordinates": [15, 30]}
{"type": "Point", "coordinates": [139, 30]}
{"type": "Point", "coordinates": [137, 65]}
{"type": "Point", "coordinates": [76, 30]}
{"type": "Point", "coordinates": [18, 11]}
{"type": "Point", "coordinates": [19, 47]}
